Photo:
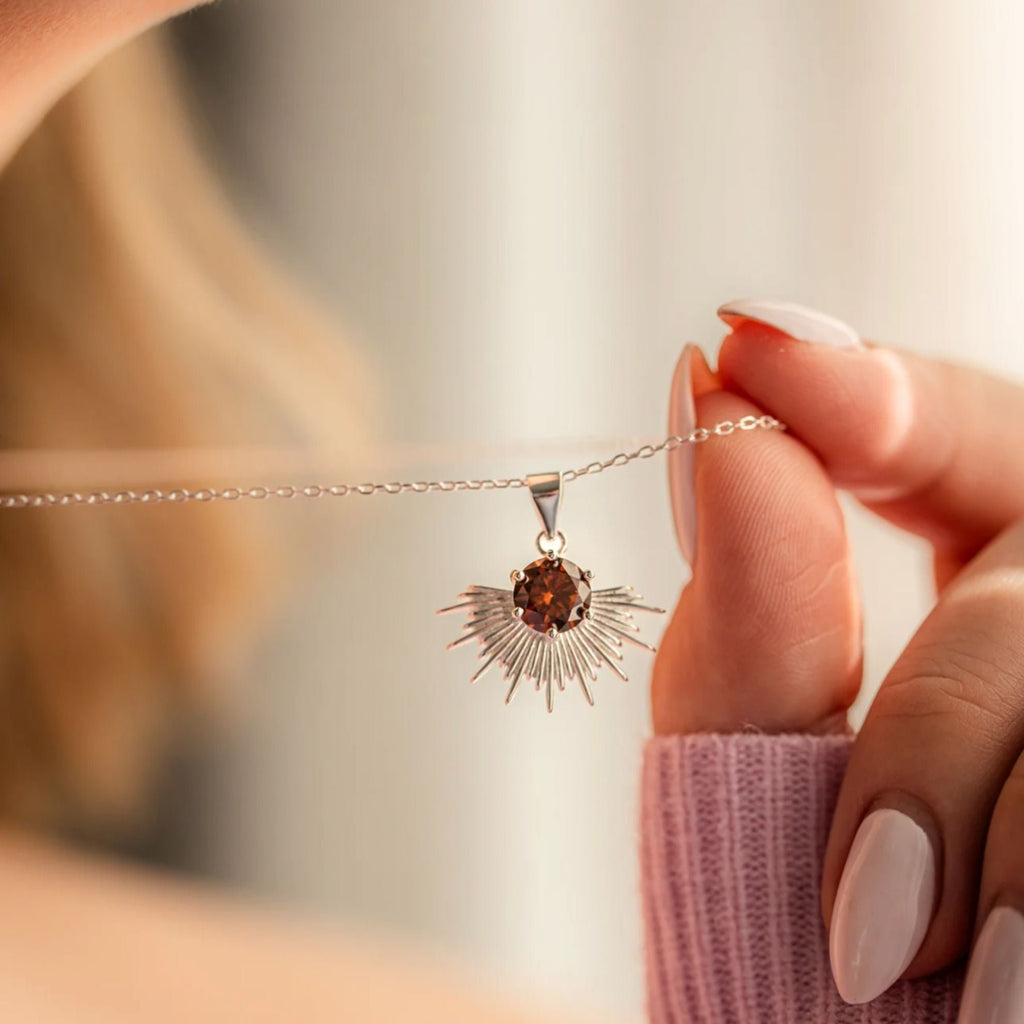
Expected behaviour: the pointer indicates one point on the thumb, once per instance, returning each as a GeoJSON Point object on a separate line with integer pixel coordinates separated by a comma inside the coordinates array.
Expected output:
{"type": "Point", "coordinates": [767, 631]}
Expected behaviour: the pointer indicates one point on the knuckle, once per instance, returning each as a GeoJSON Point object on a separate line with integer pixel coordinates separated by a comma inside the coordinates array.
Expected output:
{"type": "Point", "coordinates": [925, 697]}
{"type": "Point", "coordinates": [961, 678]}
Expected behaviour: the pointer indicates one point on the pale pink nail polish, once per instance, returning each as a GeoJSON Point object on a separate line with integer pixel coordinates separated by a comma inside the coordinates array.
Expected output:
{"type": "Point", "coordinates": [682, 418]}
{"type": "Point", "coordinates": [798, 322]}
{"type": "Point", "coordinates": [994, 989]}
{"type": "Point", "coordinates": [883, 906]}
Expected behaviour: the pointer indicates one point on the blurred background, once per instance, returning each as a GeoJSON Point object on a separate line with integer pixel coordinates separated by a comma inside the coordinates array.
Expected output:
{"type": "Point", "coordinates": [522, 211]}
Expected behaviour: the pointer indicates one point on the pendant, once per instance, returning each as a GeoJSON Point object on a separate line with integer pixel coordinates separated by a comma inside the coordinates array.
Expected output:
{"type": "Point", "coordinates": [552, 626]}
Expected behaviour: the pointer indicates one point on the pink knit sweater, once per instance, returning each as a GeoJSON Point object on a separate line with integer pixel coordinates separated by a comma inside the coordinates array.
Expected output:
{"type": "Point", "coordinates": [734, 831]}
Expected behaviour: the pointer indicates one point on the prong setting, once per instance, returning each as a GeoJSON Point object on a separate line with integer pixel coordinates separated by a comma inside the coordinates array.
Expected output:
{"type": "Point", "coordinates": [550, 657]}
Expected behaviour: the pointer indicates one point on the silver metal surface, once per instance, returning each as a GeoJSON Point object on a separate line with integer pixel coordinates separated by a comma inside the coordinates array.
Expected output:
{"type": "Point", "coordinates": [546, 491]}
{"type": "Point", "coordinates": [551, 547]}
{"type": "Point", "coordinates": [554, 658]}
{"type": "Point", "coordinates": [46, 499]}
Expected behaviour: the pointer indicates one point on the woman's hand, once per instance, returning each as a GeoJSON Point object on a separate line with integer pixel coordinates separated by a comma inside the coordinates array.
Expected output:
{"type": "Point", "coordinates": [926, 854]}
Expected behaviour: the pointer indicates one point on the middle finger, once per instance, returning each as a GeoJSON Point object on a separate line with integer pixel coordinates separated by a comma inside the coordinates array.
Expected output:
{"type": "Point", "coordinates": [938, 743]}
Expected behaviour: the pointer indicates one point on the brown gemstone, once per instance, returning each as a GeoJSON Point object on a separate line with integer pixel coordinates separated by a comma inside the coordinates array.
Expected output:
{"type": "Point", "coordinates": [553, 593]}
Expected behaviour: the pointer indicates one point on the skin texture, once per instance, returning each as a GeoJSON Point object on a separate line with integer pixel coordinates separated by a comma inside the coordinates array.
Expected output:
{"type": "Point", "coordinates": [706, 677]}
{"type": "Point", "coordinates": [767, 633]}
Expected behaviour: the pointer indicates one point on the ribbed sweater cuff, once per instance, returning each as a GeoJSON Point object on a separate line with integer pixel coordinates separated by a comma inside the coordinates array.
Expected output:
{"type": "Point", "coordinates": [733, 839]}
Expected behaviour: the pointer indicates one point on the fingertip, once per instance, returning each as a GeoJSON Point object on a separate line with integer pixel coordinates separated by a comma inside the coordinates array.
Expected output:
{"type": "Point", "coordinates": [704, 380]}
{"type": "Point", "coordinates": [791, 320]}
{"type": "Point", "coordinates": [768, 627]}
{"type": "Point", "coordinates": [692, 378]}
{"type": "Point", "coordinates": [682, 418]}
{"type": "Point", "coordinates": [764, 500]}
{"type": "Point", "coordinates": [855, 408]}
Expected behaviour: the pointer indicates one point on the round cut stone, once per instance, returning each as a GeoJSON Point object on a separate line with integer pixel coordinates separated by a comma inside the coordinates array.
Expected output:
{"type": "Point", "coordinates": [553, 593]}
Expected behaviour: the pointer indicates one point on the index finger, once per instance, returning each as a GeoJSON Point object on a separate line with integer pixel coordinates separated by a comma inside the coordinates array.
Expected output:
{"type": "Point", "coordinates": [935, 448]}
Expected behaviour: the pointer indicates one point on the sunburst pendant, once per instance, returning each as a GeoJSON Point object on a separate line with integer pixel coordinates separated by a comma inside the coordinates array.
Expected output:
{"type": "Point", "coordinates": [552, 626]}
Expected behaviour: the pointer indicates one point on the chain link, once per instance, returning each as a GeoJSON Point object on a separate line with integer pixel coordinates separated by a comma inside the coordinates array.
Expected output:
{"type": "Point", "coordinates": [42, 499]}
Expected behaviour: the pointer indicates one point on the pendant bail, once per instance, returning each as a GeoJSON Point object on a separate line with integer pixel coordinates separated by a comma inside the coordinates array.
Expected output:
{"type": "Point", "coordinates": [546, 491]}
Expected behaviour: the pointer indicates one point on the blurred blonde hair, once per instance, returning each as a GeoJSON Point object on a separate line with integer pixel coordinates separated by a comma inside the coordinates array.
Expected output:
{"type": "Point", "coordinates": [134, 312]}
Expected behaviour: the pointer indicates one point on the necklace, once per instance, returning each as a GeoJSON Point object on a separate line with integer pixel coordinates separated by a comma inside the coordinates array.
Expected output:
{"type": "Point", "coordinates": [551, 627]}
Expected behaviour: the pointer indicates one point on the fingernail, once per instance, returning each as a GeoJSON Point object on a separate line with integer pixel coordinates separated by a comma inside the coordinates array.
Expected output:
{"type": "Point", "coordinates": [798, 322]}
{"type": "Point", "coordinates": [682, 418]}
{"type": "Point", "coordinates": [994, 989]}
{"type": "Point", "coordinates": [883, 906]}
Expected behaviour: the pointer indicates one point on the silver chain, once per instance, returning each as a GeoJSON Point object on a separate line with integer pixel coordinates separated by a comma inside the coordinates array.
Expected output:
{"type": "Point", "coordinates": [41, 499]}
